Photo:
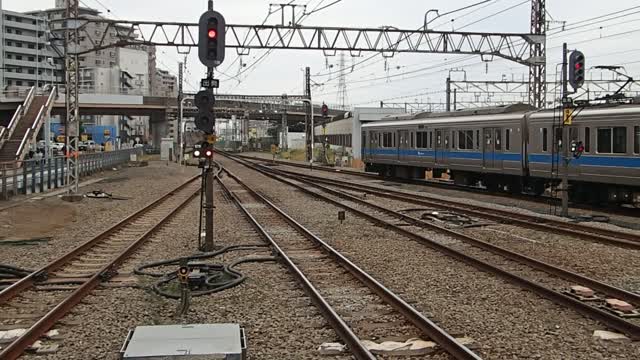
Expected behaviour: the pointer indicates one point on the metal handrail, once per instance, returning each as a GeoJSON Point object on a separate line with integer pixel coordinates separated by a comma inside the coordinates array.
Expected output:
{"type": "Point", "coordinates": [37, 119]}
{"type": "Point", "coordinates": [54, 91]}
{"type": "Point", "coordinates": [15, 116]}
{"type": "Point", "coordinates": [29, 99]}
{"type": "Point", "coordinates": [14, 120]}
{"type": "Point", "coordinates": [24, 140]}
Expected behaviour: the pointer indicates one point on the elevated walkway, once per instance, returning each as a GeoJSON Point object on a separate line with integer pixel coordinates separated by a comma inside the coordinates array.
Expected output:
{"type": "Point", "coordinates": [25, 125]}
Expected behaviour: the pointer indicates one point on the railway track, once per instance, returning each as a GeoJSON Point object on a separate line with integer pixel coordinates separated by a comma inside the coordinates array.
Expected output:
{"type": "Point", "coordinates": [357, 306]}
{"type": "Point", "coordinates": [37, 301]}
{"type": "Point", "coordinates": [542, 278]}
{"type": "Point", "coordinates": [547, 200]}
{"type": "Point", "coordinates": [545, 224]}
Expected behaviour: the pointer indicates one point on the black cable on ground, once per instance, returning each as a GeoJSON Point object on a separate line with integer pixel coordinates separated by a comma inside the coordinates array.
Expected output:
{"type": "Point", "coordinates": [219, 277]}
{"type": "Point", "coordinates": [12, 272]}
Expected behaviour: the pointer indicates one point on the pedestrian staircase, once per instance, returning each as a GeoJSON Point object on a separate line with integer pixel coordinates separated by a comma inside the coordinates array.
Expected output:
{"type": "Point", "coordinates": [23, 129]}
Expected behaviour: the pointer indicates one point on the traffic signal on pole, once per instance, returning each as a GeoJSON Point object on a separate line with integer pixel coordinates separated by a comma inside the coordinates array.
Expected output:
{"type": "Point", "coordinates": [205, 119]}
{"type": "Point", "coordinates": [203, 150]}
{"type": "Point", "coordinates": [211, 44]}
{"type": "Point", "coordinates": [325, 110]}
{"type": "Point", "coordinates": [577, 69]}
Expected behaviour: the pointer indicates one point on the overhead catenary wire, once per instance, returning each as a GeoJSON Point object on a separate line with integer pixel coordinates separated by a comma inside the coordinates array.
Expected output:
{"type": "Point", "coordinates": [551, 35]}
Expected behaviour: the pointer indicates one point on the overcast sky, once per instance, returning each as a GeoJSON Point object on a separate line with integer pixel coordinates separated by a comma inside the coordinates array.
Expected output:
{"type": "Point", "coordinates": [607, 42]}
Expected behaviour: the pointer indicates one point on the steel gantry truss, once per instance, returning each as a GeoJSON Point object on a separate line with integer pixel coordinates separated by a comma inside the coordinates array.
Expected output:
{"type": "Point", "coordinates": [72, 128]}
{"type": "Point", "coordinates": [525, 49]}
{"type": "Point", "coordinates": [386, 40]}
{"type": "Point", "coordinates": [538, 69]}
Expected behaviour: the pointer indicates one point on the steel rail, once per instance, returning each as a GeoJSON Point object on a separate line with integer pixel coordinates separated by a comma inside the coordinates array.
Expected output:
{"type": "Point", "coordinates": [18, 346]}
{"type": "Point", "coordinates": [435, 333]}
{"type": "Point", "coordinates": [28, 281]}
{"type": "Point", "coordinates": [605, 317]}
{"type": "Point", "coordinates": [606, 236]}
{"type": "Point", "coordinates": [540, 265]}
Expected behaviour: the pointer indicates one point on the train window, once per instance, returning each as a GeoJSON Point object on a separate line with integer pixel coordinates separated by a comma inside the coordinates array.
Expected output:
{"type": "Point", "coordinates": [498, 139]}
{"type": "Point", "coordinates": [612, 140]}
{"type": "Point", "coordinates": [430, 139]}
{"type": "Point", "coordinates": [545, 141]}
{"type": "Point", "coordinates": [422, 139]}
{"type": "Point", "coordinates": [507, 139]}
{"type": "Point", "coordinates": [465, 140]}
{"type": "Point", "coordinates": [477, 139]}
{"type": "Point", "coordinates": [619, 140]}
{"type": "Point", "coordinates": [587, 139]}
{"type": "Point", "coordinates": [413, 141]}
{"type": "Point", "coordinates": [387, 140]}
{"type": "Point", "coordinates": [636, 139]}
{"type": "Point", "coordinates": [453, 139]}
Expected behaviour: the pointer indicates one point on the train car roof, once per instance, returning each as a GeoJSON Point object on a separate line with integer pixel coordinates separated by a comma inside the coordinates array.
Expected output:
{"type": "Point", "coordinates": [594, 111]}
{"type": "Point", "coordinates": [452, 119]}
{"type": "Point", "coordinates": [535, 115]}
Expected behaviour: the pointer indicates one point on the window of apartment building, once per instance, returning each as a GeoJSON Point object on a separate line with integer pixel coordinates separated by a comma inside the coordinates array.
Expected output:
{"type": "Point", "coordinates": [9, 31]}
{"type": "Point", "coordinates": [112, 54]}
{"type": "Point", "coordinates": [18, 32]}
{"type": "Point", "coordinates": [98, 52]}
{"type": "Point", "coordinates": [19, 44]}
{"type": "Point", "coordinates": [31, 58]}
{"type": "Point", "coordinates": [98, 62]}
{"type": "Point", "coordinates": [112, 64]}
{"type": "Point", "coordinates": [9, 82]}
{"type": "Point", "coordinates": [31, 71]}
{"type": "Point", "coordinates": [31, 46]}
{"type": "Point", "coordinates": [34, 22]}
{"type": "Point", "coordinates": [81, 58]}
{"type": "Point", "coordinates": [8, 18]}
{"type": "Point", "coordinates": [31, 83]}
{"type": "Point", "coordinates": [18, 82]}
{"type": "Point", "coordinates": [18, 57]}
{"type": "Point", "coordinates": [9, 43]}
{"type": "Point", "coordinates": [18, 70]}
{"type": "Point", "coordinates": [17, 19]}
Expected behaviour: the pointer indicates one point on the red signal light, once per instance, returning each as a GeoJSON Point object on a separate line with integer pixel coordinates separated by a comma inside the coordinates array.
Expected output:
{"type": "Point", "coordinates": [212, 33]}
{"type": "Point", "coordinates": [578, 66]}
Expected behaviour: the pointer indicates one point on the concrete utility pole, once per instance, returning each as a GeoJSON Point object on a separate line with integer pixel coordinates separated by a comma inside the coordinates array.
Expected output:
{"type": "Point", "coordinates": [309, 115]}
{"type": "Point", "coordinates": [285, 125]}
{"type": "Point", "coordinates": [565, 135]}
{"type": "Point", "coordinates": [180, 112]}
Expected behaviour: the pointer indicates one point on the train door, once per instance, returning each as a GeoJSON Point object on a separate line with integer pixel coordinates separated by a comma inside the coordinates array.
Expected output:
{"type": "Point", "coordinates": [403, 144]}
{"type": "Point", "coordinates": [488, 148]}
{"type": "Point", "coordinates": [441, 146]}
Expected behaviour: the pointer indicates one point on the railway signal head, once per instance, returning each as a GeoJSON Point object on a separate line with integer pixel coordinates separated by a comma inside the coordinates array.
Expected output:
{"type": "Point", "coordinates": [205, 119]}
{"type": "Point", "coordinates": [577, 69]}
{"type": "Point", "coordinates": [203, 150]}
{"type": "Point", "coordinates": [211, 44]}
{"type": "Point", "coordinates": [325, 110]}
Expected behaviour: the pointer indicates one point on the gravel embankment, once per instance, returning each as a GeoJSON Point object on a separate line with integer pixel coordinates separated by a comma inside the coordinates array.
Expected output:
{"type": "Point", "coordinates": [617, 266]}
{"type": "Point", "coordinates": [504, 320]}
{"type": "Point", "coordinates": [279, 319]}
{"type": "Point", "coordinates": [70, 224]}
{"type": "Point", "coordinates": [512, 204]}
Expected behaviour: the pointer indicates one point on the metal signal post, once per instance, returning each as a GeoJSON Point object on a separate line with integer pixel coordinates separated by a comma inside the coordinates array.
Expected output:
{"type": "Point", "coordinates": [211, 51]}
{"type": "Point", "coordinates": [573, 73]}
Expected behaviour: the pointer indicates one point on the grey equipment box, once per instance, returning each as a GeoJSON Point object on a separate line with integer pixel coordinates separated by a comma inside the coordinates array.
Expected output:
{"type": "Point", "coordinates": [199, 341]}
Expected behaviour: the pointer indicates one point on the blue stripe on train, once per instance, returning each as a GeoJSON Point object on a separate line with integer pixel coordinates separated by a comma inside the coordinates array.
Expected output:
{"type": "Point", "coordinates": [448, 154]}
{"type": "Point", "coordinates": [586, 160]}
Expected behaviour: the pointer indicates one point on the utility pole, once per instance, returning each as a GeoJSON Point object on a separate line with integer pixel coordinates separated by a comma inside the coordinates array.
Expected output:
{"type": "Point", "coordinates": [72, 121]}
{"type": "Point", "coordinates": [284, 146]}
{"type": "Point", "coordinates": [309, 114]}
{"type": "Point", "coordinates": [538, 53]}
{"type": "Point", "coordinates": [180, 112]}
{"type": "Point", "coordinates": [565, 134]}
{"type": "Point", "coordinates": [448, 93]}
